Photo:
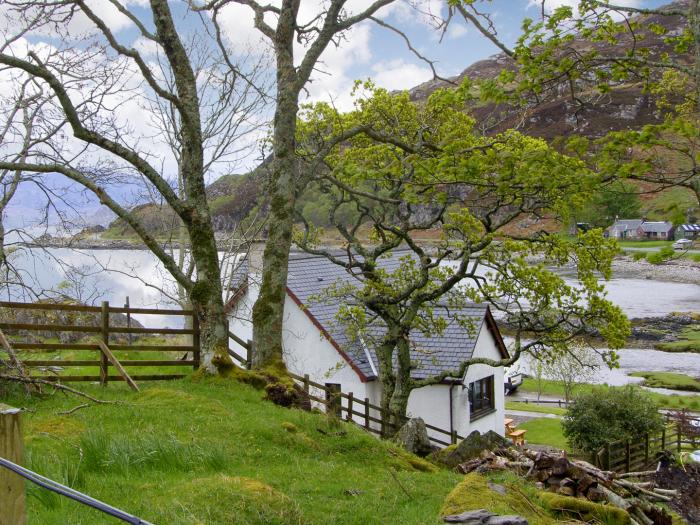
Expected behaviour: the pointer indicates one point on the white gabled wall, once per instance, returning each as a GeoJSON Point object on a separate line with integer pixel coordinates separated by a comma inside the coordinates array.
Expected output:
{"type": "Point", "coordinates": [307, 351]}
{"type": "Point", "coordinates": [485, 347]}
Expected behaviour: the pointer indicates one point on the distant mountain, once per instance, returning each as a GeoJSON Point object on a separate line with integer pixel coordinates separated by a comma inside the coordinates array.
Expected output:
{"type": "Point", "coordinates": [556, 114]}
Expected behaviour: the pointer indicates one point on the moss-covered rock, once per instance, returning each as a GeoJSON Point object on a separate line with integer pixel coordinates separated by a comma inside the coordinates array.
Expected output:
{"type": "Point", "coordinates": [584, 510]}
{"type": "Point", "coordinates": [473, 493]}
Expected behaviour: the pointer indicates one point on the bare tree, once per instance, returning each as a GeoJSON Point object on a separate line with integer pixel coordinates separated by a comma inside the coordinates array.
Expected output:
{"type": "Point", "coordinates": [576, 366]}
{"type": "Point", "coordinates": [91, 87]}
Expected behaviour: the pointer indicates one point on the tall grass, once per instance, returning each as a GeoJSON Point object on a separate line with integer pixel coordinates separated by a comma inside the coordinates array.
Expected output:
{"type": "Point", "coordinates": [126, 455]}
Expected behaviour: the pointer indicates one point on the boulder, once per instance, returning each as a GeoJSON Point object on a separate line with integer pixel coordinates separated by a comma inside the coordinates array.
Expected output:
{"type": "Point", "coordinates": [472, 447]}
{"type": "Point", "coordinates": [413, 436]}
{"type": "Point", "coordinates": [484, 517]}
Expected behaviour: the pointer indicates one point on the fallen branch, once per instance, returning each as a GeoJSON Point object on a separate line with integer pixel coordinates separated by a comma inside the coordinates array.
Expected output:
{"type": "Point", "coordinates": [74, 409]}
{"type": "Point", "coordinates": [56, 385]}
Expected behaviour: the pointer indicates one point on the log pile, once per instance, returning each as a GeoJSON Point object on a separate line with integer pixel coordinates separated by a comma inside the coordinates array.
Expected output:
{"type": "Point", "coordinates": [559, 474]}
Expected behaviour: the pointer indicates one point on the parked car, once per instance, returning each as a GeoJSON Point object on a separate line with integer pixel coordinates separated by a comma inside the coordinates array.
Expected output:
{"type": "Point", "coordinates": [682, 244]}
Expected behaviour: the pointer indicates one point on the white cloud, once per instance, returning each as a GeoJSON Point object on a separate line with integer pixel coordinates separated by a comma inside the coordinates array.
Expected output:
{"type": "Point", "coordinates": [456, 31]}
{"type": "Point", "coordinates": [399, 74]}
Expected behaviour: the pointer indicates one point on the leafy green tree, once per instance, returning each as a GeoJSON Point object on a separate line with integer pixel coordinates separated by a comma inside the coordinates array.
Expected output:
{"type": "Point", "coordinates": [619, 199]}
{"type": "Point", "coordinates": [413, 171]}
{"type": "Point", "coordinates": [605, 415]}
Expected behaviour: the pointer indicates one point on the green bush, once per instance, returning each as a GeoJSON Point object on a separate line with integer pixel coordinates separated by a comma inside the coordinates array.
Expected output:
{"type": "Point", "coordinates": [666, 252]}
{"type": "Point", "coordinates": [655, 258]}
{"type": "Point", "coordinates": [638, 256]}
{"type": "Point", "coordinates": [606, 415]}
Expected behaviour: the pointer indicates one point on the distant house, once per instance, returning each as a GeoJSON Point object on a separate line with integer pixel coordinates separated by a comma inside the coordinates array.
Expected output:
{"type": "Point", "coordinates": [640, 229]}
{"type": "Point", "coordinates": [624, 229]}
{"type": "Point", "coordinates": [688, 231]}
{"type": "Point", "coordinates": [656, 230]}
{"type": "Point", "coordinates": [316, 344]}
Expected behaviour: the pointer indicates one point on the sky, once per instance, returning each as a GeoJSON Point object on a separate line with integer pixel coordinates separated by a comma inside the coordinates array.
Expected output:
{"type": "Point", "coordinates": [367, 51]}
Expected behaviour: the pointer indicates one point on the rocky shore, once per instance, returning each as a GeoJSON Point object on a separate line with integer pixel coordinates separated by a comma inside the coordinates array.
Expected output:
{"type": "Point", "coordinates": [679, 271]}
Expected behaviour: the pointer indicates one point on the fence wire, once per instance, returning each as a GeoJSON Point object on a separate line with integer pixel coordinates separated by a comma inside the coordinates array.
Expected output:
{"type": "Point", "coordinates": [68, 492]}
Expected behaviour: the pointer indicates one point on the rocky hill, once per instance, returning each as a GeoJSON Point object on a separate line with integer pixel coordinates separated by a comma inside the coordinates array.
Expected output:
{"type": "Point", "coordinates": [626, 106]}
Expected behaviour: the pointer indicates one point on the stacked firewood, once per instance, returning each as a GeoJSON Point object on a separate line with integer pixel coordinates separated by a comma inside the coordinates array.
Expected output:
{"type": "Point", "coordinates": [559, 474]}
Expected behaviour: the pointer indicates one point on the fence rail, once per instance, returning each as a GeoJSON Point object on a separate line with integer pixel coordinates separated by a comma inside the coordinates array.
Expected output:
{"type": "Point", "coordinates": [103, 329]}
{"type": "Point", "coordinates": [629, 455]}
{"type": "Point", "coordinates": [346, 405]}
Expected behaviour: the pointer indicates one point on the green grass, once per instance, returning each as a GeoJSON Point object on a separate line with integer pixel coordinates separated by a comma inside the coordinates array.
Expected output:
{"type": "Point", "coordinates": [211, 451]}
{"type": "Point", "coordinates": [669, 380]}
{"type": "Point", "coordinates": [545, 431]}
{"type": "Point", "coordinates": [644, 244]}
{"type": "Point", "coordinates": [545, 408]}
{"type": "Point", "coordinates": [689, 341]}
{"type": "Point", "coordinates": [553, 388]}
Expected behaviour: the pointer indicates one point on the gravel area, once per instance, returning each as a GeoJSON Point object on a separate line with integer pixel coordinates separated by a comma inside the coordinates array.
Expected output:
{"type": "Point", "coordinates": [677, 271]}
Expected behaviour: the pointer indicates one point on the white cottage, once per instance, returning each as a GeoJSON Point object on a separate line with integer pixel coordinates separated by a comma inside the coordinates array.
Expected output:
{"type": "Point", "coordinates": [315, 344]}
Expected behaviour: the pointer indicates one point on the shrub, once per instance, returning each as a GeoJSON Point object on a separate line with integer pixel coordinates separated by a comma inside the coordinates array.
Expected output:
{"type": "Point", "coordinates": [666, 252]}
{"type": "Point", "coordinates": [638, 256]}
{"type": "Point", "coordinates": [606, 415]}
{"type": "Point", "coordinates": [655, 258]}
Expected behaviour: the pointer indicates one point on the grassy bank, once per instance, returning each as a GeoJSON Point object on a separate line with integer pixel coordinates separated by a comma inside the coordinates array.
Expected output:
{"type": "Point", "coordinates": [669, 380]}
{"type": "Point", "coordinates": [554, 388]}
{"type": "Point", "coordinates": [544, 408]}
{"type": "Point", "coordinates": [211, 451]}
{"type": "Point", "coordinates": [688, 341]}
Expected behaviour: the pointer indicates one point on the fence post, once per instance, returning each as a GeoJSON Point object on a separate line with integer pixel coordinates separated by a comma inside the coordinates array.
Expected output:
{"type": "Point", "coordinates": [628, 456]}
{"type": "Point", "coordinates": [679, 432]}
{"type": "Point", "coordinates": [367, 413]}
{"type": "Point", "coordinates": [12, 497]}
{"type": "Point", "coordinates": [350, 400]}
{"type": "Point", "coordinates": [104, 362]}
{"type": "Point", "coordinates": [196, 341]}
{"type": "Point", "coordinates": [306, 384]}
{"type": "Point", "coordinates": [249, 355]}
{"type": "Point", "coordinates": [128, 320]}
{"type": "Point", "coordinates": [453, 437]}
{"type": "Point", "coordinates": [646, 449]}
{"type": "Point", "coordinates": [663, 439]}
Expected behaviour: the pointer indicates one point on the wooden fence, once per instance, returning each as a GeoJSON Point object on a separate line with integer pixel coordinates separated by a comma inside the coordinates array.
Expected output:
{"type": "Point", "coordinates": [102, 343]}
{"type": "Point", "coordinates": [631, 455]}
{"type": "Point", "coordinates": [345, 405]}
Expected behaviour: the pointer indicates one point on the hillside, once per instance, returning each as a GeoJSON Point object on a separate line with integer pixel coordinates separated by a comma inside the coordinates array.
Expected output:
{"type": "Point", "coordinates": [212, 452]}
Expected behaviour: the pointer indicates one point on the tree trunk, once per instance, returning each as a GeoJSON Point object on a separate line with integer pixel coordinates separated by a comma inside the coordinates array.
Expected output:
{"type": "Point", "coordinates": [268, 312]}
{"type": "Point", "coordinates": [402, 385]}
{"type": "Point", "coordinates": [694, 23]}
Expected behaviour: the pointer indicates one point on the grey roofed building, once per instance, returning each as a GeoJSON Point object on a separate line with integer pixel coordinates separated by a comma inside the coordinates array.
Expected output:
{"type": "Point", "coordinates": [688, 231]}
{"type": "Point", "coordinates": [624, 229]}
{"type": "Point", "coordinates": [656, 226]}
{"type": "Point", "coordinates": [309, 275]}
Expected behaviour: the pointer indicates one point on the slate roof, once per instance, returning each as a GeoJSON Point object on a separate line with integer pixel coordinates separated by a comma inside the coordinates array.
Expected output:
{"type": "Point", "coordinates": [657, 227]}
{"type": "Point", "coordinates": [309, 275]}
{"type": "Point", "coordinates": [626, 225]}
{"type": "Point", "coordinates": [690, 227]}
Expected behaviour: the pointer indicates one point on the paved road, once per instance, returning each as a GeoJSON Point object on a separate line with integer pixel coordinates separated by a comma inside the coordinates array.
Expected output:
{"type": "Point", "coordinates": [656, 249]}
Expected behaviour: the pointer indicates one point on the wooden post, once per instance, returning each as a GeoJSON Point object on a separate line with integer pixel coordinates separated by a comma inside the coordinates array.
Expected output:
{"type": "Point", "coordinates": [249, 355]}
{"type": "Point", "coordinates": [453, 437]}
{"type": "Point", "coordinates": [663, 439]}
{"type": "Point", "coordinates": [306, 384]}
{"type": "Point", "coordinates": [196, 343]}
{"type": "Point", "coordinates": [128, 320]}
{"type": "Point", "coordinates": [627, 456]}
{"type": "Point", "coordinates": [350, 400]}
{"type": "Point", "coordinates": [104, 362]}
{"type": "Point", "coordinates": [367, 413]}
{"type": "Point", "coordinates": [12, 497]}
{"type": "Point", "coordinates": [646, 449]}
{"type": "Point", "coordinates": [678, 430]}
